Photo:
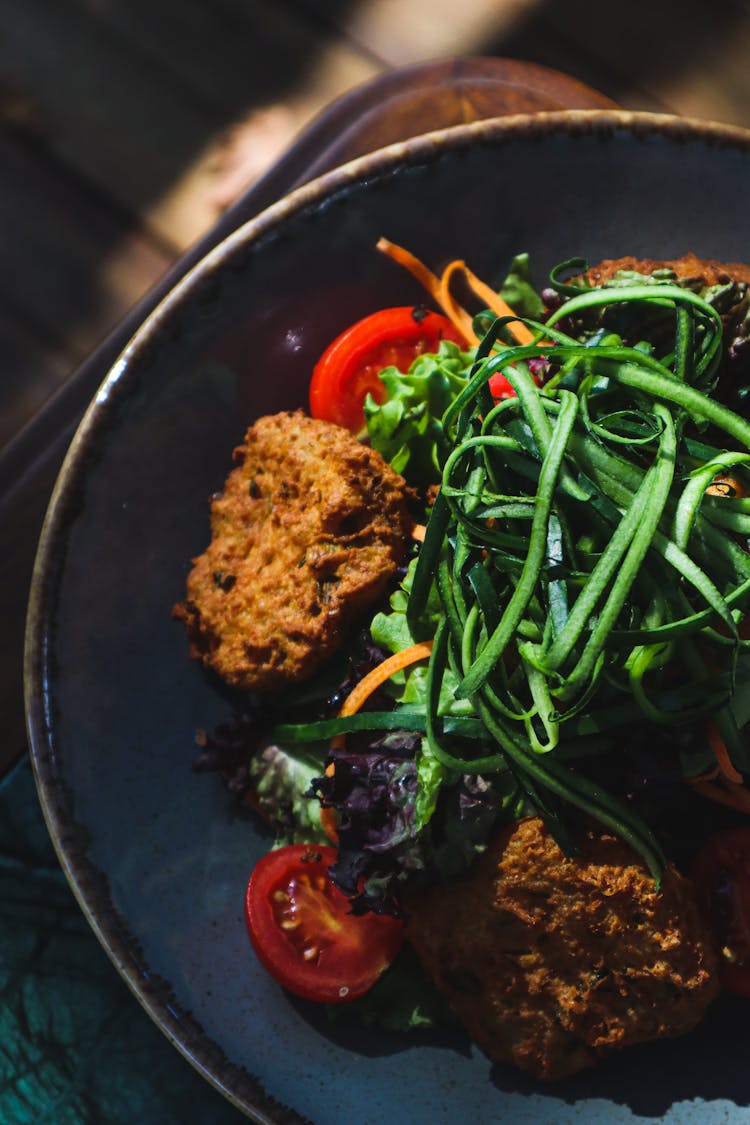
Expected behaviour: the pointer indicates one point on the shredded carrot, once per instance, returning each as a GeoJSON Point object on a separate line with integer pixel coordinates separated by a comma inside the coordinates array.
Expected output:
{"type": "Point", "coordinates": [418, 532]}
{"type": "Point", "coordinates": [439, 290]}
{"type": "Point", "coordinates": [410, 262]}
{"type": "Point", "coordinates": [354, 701]}
{"type": "Point", "coordinates": [328, 816]}
{"type": "Point", "coordinates": [709, 775]}
{"type": "Point", "coordinates": [726, 769]}
{"type": "Point", "coordinates": [735, 796]}
{"type": "Point", "coordinates": [450, 305]}
{"type": "Point", "coordinates": [378, 676]}
{"type": "Point", "coordinates": [490, 298]}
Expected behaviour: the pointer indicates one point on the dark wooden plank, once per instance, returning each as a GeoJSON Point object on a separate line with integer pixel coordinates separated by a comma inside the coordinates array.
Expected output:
{"type": "Point", "coordinates": [135, 95]}
{"type": "Point", "coordinates": [536, 41]}
{"type": "Point", "coordinates": [116, 117]}
{"type": "Point", "coordinates": [32, 371]}
{"type": "Point", "coordinates": [684, 56]}
{"type": "Point", "coordinates": [401, 34]}
{"type": "Point", "coordinates": [231, 54]}
{"type": "Point", "coordinates": [430, 28]}
{"type": "Point", "coordinates": [687, 55]}
{"type": "Point", "coordinates": [72, 265]}
{"type": "Point", "coordinates": [19, 531]}
{"type": "Point", "coordinates": [266, 67]}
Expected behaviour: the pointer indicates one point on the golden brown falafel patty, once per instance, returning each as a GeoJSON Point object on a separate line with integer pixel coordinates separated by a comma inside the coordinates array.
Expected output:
{"type": "Point", "coordinates": [703, 272]}
{"type": "Point", "coordinates": [310, 527]}
{"type": "Point", "coordinates": [551, 961]}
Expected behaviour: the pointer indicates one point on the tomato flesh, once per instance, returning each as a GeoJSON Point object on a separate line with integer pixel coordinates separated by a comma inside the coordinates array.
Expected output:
{"type": "Point", "coordinates": [303, 931]}
{"type": "Point", "coordinates": [348, 369]}
{"type": "Point", "coordinates": [500, 387]}
{"type": "Point", "coordinates": [722, 875]}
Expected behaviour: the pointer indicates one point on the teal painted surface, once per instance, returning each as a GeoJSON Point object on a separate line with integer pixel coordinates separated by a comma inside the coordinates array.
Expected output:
{"type": "Point", "coordinates": [76, 1048]}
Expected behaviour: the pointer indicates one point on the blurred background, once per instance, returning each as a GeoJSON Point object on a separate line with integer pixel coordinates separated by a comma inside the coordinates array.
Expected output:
{"type": "Point", "coordinates": [127, 128]}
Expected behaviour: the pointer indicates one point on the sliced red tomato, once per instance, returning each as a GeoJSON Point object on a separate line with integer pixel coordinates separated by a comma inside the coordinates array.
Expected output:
{"type": "Point", "coordinates": [348, 368]}
{"type": "Point", "coordinates": [722, 875]}
{"type": "Point", "coordinates": [304, 933]}
{"type": "Point", "coordinates": [500, 387]}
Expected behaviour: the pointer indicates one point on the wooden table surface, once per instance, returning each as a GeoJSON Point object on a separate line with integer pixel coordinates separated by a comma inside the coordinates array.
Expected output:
{"type": "Point", "coordinates": [126, 126]}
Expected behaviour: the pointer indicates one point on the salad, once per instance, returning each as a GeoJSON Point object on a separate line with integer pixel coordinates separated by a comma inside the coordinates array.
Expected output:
{"type": "Point", "coordinates": [561, 642]}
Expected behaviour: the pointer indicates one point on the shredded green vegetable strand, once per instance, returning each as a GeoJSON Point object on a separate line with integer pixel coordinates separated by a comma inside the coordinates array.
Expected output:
{"type": "Point", "coordinates": [572, 543]}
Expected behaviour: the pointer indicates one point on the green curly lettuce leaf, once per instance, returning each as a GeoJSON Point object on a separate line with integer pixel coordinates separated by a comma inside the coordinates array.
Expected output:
{"type": "Point", "coordinates": [390, 630]}
{"type": "Point", "coordinates": [407, 429]}
{"type": "Point", "coordinates": [282, 779]}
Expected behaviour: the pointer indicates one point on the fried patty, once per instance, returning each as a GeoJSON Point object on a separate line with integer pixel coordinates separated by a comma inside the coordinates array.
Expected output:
{"type": "Point", "coordinates": [700, 272]}
{"type": "Point", "coordinates": [310, 527]}
{"type": "Point", "coordinates": [725, 284]}
{"type": "Point", "coordinates": [552, 961]}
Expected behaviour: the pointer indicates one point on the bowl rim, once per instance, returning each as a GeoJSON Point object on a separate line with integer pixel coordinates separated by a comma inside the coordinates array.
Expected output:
{"type": "Point", "coordinates": [242, 1089]}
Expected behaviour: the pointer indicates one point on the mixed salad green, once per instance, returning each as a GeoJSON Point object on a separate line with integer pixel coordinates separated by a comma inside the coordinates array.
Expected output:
{"type": "Point", "coordinates": [583, 581]}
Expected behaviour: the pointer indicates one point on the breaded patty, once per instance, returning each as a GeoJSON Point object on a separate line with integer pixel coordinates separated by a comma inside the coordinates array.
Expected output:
{"type": "Point", "coordinates": [701, 272]}
{"type": "Point", "coordinates": [552, 961]}
{"type": "Point", "coordinates": [725, 284]}
{"type": "Point", "coordinates": [310, 527]}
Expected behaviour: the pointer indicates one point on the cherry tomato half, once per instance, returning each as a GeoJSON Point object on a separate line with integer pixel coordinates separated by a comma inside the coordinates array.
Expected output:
{"type": "Point", "coordinates": [722, 875]}
{"type": "Point", "coordinates": [500, 387]}
{"type": "Point", "coordinates": [348, 368]}
{"type": "Point", "coordinates": [304, 934]}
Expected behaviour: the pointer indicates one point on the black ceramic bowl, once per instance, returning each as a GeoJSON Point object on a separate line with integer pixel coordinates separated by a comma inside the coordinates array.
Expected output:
{"type": "Point", "coordinates": [159, 857]}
